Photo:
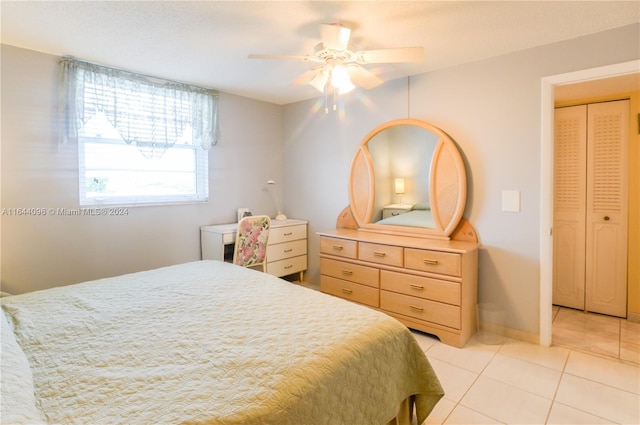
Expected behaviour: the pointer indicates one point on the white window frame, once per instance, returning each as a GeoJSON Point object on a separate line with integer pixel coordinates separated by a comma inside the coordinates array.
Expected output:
{"type": "Point", "coordinates": [201, 176]}
{"type": "Point", "coordinates": [149, 119]}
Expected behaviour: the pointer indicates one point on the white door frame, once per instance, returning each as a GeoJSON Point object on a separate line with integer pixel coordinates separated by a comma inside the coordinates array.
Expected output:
{"type": "Point", "coordinates": [546, 178]}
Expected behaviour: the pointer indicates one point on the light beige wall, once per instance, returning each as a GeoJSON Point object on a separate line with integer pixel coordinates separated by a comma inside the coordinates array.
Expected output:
{"type": "Point", "coordinates": [43, 251]}
{"type": "Point", "coordinates": [492, 109]}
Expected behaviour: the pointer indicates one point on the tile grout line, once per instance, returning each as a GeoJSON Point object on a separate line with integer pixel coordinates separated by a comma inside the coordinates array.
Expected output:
{"type": "Point", "coordinates": [619, 339]}
{"type": "Point", "coordinates": [555, 393]}
{"type": "Point", "coordinates": [564, 372]}
{"type": "Point", "coordinates": [459, 403]}
{"type": "Point", "coordinates": [478, 374]}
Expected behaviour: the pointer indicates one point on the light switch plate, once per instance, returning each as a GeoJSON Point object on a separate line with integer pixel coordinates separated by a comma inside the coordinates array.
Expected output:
{"type": "Point", "coordinates": [511, 200]}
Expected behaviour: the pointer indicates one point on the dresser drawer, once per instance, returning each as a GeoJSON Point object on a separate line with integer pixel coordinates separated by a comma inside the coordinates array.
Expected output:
{"type": "Point", "coordinates": [423, 287]}
{"type": "Point", "coordinates": [418, 308]}
{"type": "Point", "coordinates": [340, 247]}
{"type": "Point", "coordinates": [392, 212]}
{"type": "Point", "coordinates": [350, 291]}
{"type": "Point", "coordinates": [351, 272]}
{"type": "Point", "coordinates": [287, 266]}
{"type": "Point", "coordinates": [228, 238]}
{"type": "Point", "coordinates": [433, 261]}
{"type": "Point", "coordinates": [382, 254]}
{"type": "Point", "coordinates": [287, 233]}
{"type": "Point", "coordinates": [286, 250]}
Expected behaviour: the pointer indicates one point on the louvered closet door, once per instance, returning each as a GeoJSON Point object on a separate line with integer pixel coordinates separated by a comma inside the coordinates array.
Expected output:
{"type": "Point", "coordinates": [607, 206]}
{"type": "Point", "coordinates": [569, 228]}
{"type": "Point", "coordinates": [590, 207]}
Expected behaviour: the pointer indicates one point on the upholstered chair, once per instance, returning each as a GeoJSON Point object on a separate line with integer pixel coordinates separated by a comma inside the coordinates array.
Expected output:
{"type": "Point", "coordinates": [251, 242]}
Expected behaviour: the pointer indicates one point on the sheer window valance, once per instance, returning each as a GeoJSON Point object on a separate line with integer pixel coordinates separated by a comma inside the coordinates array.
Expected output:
{"type": "Point", "coordinates": [151, 113]}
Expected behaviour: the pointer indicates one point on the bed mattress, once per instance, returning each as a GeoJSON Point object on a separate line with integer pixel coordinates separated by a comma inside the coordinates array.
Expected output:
{"type": "Point", "coordinates": [414, 218]}
{"type": "Point", "coordinates": [205, 343]}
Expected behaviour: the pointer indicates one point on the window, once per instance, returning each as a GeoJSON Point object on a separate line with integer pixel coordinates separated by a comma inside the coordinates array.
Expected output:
{"type": "Point", "coordinates": [140, 140]}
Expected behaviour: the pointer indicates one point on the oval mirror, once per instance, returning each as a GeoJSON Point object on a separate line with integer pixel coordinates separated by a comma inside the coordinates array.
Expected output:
{"type": "Point", "coordinates": [407, 177]}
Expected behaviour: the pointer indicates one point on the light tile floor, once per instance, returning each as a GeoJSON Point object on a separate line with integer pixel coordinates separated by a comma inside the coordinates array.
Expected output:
{"type": "Point", "coordinates": [520, 383]}
{"type": "Point", "coordinates": [596, 333]}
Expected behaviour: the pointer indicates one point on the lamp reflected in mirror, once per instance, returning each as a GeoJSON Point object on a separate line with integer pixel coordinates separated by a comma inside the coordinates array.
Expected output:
{"type": "Point", "coordinates": [399, 188]}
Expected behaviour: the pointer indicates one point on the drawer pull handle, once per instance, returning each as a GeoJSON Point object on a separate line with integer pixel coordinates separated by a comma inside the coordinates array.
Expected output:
{"type": "Point", "coordinates": [288, 267]}
{"type": "Point", "coordinates": [414, 308]}
{"type": "Point", "coordinates": [288, 250]}
{"type": "Point", "coordinates": [379, 254]}
{"type": "Point", "coordinates": [347, 272]}
{"type": "Point", "coordinates": [431, 262]}
{"type": "Point", "coordinates": [338, 247]}
{"type": "Point", "coordinates": [417, 287]}
{"type": "Point", "coordinates": [347, 291]}
{"type": "Point", "coordinates": [288, 234]}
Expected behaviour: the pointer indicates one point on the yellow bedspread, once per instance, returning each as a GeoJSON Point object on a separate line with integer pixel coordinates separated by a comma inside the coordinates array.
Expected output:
{"type": "Point", "coordinates": [211, 343]}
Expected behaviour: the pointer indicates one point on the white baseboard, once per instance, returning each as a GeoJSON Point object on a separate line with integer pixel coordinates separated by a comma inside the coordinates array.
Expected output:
{"type": "Point", "coordinates": [522, 336]}
{"type": "Point", "coordinates": [535, 338]}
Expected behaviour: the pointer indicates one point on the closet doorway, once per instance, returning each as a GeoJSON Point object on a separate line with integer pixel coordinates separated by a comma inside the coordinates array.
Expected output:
{"type": "Point", "coordinates": [591, 207]}
{"type": "Point", "coordinates": [592, 84]}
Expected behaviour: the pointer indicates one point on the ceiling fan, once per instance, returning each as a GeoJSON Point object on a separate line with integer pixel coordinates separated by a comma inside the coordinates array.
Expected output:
{"type": "Point", "coordinates": [339, 66]}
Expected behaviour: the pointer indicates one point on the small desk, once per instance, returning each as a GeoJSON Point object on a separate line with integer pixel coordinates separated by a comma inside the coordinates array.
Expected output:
{"type": "Point", "coordinates": [286, 247]}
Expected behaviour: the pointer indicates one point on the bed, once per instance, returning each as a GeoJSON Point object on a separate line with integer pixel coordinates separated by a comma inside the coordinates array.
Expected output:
{"type": "Point", "coordinates": [206, 343]}
{"type": "Point", "coordinates": [419, 216]}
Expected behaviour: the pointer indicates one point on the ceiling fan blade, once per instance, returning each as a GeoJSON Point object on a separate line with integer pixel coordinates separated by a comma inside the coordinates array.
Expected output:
{"type": "Point", "coordinates": [401, 54]}
{"type": "Point", "coordinates": [335, 36]}
{"type": "Point", "coordinates": [363, 78]}
{"type": "Point", "coordinates": [319, 81]}
{"type": "Point", "coordinates": [306, 78]}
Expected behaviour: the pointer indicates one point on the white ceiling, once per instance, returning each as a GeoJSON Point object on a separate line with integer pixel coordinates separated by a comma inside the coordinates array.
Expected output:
{"type": "Point", "coordinates": [207, 42]}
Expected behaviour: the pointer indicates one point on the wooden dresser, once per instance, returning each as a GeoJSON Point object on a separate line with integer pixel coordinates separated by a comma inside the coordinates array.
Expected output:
{"type": "Point", "coordinates": [428, 284]}
{"type": "Point", "coordinates": [286, 250]}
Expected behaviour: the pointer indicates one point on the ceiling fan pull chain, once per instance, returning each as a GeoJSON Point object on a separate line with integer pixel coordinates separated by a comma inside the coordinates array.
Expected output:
{"type": "Point", "coordinates": [326, 99]}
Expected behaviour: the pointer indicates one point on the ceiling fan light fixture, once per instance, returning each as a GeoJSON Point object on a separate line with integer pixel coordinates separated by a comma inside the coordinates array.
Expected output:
{"type": "Point", "coordinates": [340, 67]}
{"type": "Point", "coordinates": [340, 79]}
{"type": "Point", "coordinates": [346, 88]}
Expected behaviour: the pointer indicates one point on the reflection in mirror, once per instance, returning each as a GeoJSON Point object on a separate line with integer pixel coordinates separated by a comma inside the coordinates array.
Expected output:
{"type": "Point", "coordinates": [431, 167]}
{"type": "Point", "coordinates": [402, 152]}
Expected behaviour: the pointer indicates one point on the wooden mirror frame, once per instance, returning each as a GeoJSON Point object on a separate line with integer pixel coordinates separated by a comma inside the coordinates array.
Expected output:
{"type": "Point", "coordinates": [447, 186]}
